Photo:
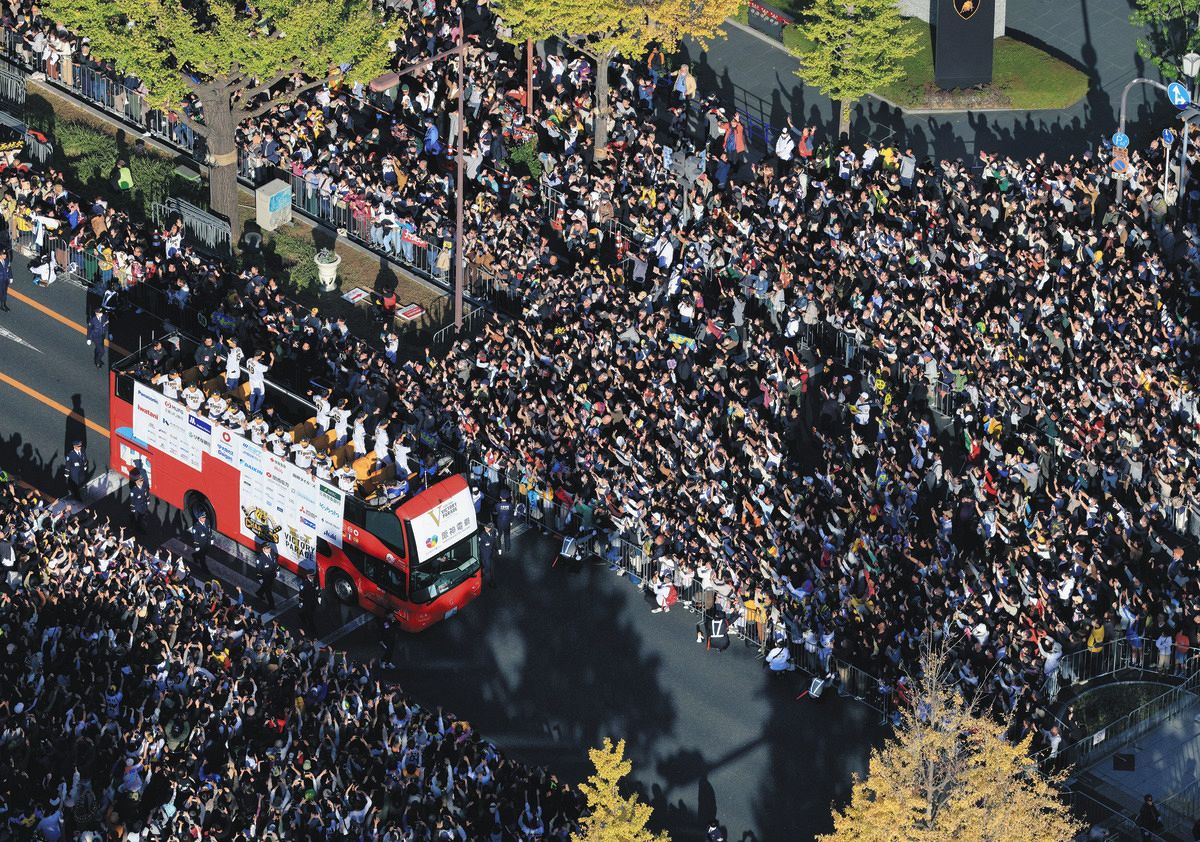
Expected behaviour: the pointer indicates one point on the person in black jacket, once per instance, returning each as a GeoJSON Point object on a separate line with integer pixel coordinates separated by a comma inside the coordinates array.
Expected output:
{"type": "Point", "coordinates": [487, 552]}
{"type": "Point", "coordinates": [5, 280]}
{"type": "Point", "coordinates": [1148, 819]}
{"type": "Point", "coordinates": [75, 469]}
{"type": "Point", "coordinates": [97, 333]}
{"type": "Point", "coordinates": [139, 503]}
{"type": "Point", "coordinates": [504, 516]}
{"type": "Point", "coordinates": [266, 567]}
{"type": "Point", "coordinates": [200, 536]}
{"type": "Point", "coordinates": [310, 598]}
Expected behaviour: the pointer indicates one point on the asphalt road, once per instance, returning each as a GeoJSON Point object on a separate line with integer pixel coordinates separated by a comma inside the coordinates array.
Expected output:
{"type": "Point", "coordinates": [46, 372]}
{"type": "Point", "coordinates": [548, 663]}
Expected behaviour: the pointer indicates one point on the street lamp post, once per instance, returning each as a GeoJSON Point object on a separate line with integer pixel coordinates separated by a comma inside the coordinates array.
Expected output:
{"type": "Point", "coordinates": [1191, 69]}
{"type": "Point", "coordinates": [1124, 102]}
{"type": "Point", "coordinates": [457, 51]}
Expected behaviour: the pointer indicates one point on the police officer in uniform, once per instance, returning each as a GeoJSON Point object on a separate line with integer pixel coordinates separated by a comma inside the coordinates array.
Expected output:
{"type": "Point", "coordinates": [716, 832]}
{"type": "Point", "coordinates": [97, 332]}
{"type": "Point", "coordinates": [310, 598]}
{"type": "Point", "coordinates": [487, 551]}
{"type": "Point", "coordinates": [504, 518]}
{"type": "Point", "coordinates": [139, 503]}
{"type": "Point", "coordinates": [266, 566]}
{"type": "Point", "coordinates": [201, 536]}
{"type": "Point", "coordinates": [75, 468]}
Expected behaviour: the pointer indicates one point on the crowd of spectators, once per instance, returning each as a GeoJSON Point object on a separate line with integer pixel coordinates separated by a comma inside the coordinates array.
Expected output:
{"type": "Point", "coordinates": [141, 704]}
{"type": "Point", "coordinates": [855, 396]}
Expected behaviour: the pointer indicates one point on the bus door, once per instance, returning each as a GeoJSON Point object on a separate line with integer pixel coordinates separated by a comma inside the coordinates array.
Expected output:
{"type": "Point", "coordinates": [132, 456]}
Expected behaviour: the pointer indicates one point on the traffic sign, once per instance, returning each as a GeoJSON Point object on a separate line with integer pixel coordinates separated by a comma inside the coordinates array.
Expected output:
{"type": "Point", "coordinates": [1168, 136]}
{"type": "Point", "coordinates": [1120, 140]}
{"type": "Point", "coordinates": [1119, 165]}
{"type": "Point", "coordinates": [1121, 153]}
{"type": "Point", "coordinates": [1179, 95]}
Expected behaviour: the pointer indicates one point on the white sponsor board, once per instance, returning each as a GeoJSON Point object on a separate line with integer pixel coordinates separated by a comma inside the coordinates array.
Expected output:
{"type": "Point", "coordinates": [167, 425]}
{"type": "Point", "coordinates": [444, 525]}
{"type": "Point", "coordinates": [277, 500]}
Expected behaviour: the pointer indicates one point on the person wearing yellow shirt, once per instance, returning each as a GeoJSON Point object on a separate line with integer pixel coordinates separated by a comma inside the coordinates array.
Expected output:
{"type": "Point", "coordinates": [1095, 640]}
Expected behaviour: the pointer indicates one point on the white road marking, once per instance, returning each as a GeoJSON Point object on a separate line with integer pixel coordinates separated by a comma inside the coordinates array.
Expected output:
{"type": "Point", "coordinates": [287, 604]}
{"type": "Point", "coordinates": [337, 634]}
{"type": "Point", "coordinates": [97, 488]}
{"type": "Point", "coordinates": [8, 334]}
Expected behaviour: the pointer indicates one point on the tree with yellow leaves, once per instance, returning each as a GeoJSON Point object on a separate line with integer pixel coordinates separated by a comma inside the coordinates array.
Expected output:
{"type": "Point", "coordinates": [238, 60]}
{"type": "Point", "coordinates": [611, 816]}
{"type": "Point", "coordinates": [858, 46]}
{"type": "Point", "coordinates": [950, 774]}
{"type": "Point", "coordinates": [604, 30]}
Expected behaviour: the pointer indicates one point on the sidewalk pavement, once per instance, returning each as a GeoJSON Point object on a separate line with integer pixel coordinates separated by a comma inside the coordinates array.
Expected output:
{"type": "Point", "coordinates": [1097, 37]}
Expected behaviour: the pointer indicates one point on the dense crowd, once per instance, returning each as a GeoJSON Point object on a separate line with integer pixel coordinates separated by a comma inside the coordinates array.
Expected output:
{"type": "Point", "coordinates": [856, 396]}
{"type": "Point", "coordinates": [142, 705]}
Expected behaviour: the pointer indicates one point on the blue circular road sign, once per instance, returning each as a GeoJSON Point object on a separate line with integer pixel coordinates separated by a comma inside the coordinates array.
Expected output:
{"type": "Point", "coordinates": [1120, 140]}
{"type": "Point", "coordinates": [1119, 165]}
{"type": "Point", "coordinates": [1168, 136]}
{"type": "Point", "coordinates": [1179, 95]}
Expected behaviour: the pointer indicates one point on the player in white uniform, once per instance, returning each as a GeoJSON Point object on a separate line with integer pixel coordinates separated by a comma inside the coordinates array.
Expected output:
{"type": "Point", "coordinates": [347, 479]}
{"type": "Point", "coordinates": [193, 397]}
{"type": "Point", "coordinates": [341, 422]}
{"type": "Point", "coordinates": [323, 409]}
{"type": "Point", "coordinates": [233, 365]}
{"type": "Point", "coordinates": [400, 453]}
{"type": "Point", "coordinates": [170, 383]}
{"type": "Point", "coordinates": [303, 454]}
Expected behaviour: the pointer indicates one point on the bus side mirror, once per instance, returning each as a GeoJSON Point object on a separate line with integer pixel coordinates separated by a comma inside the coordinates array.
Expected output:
{"type": "Point", "coordinates": [323, 548]}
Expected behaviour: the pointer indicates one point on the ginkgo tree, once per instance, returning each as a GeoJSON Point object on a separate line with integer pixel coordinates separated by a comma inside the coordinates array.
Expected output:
{"type": "Point", "coordinates": [950, 774]}
{"type": "Point", "coordinates": [607, 29]}
{"type": "Point", "coordinates": [611, 816]}
{"type": "Point", "coordinates": [858, 46]}
{"type": "Point", "coordinates": [237, 59]}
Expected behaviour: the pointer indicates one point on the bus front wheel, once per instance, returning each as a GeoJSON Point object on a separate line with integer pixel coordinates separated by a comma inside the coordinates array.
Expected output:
{"type": "Point", "coordinates": [194, 502]}
{"type": "Point", "coordinates": [342, 587]}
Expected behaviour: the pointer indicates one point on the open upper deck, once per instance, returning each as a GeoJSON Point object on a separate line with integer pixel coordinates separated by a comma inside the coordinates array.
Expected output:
{"type": "Point", "coordinates": [295, 416]}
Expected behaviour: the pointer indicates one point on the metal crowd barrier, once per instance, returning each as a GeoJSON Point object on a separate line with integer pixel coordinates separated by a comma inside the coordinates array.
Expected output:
{"type": "Point", "coordinates": [99, 87]}
{"type": "Point", "coordinates": [1170, 704]}
{"type": "Point", "coordinates": [209, 233]}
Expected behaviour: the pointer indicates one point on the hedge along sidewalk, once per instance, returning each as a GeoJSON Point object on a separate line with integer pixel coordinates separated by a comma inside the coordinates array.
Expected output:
{"type": "Point", "coordinates": [360, 266]}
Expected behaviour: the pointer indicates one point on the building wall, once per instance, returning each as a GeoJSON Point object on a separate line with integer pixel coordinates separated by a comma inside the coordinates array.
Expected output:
{"type": "Point", "coordinates": [927, 10]}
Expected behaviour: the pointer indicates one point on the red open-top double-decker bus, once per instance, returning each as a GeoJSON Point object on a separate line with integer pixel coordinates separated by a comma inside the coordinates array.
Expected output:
{"type": "Point", "coordinates": [414, 558]}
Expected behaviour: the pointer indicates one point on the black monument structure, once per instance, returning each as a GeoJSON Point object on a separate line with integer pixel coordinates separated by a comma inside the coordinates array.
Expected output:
{"type": "Point", "coordinates": [963, 46]}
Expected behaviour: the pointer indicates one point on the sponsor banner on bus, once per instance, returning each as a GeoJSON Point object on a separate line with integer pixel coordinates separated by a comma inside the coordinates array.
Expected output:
{"type": "Point", "coordinates": [280, 502]}
{"type": "Point", "coordinates": [166, 424]}
{"type": "Point", "coordinates": [444, 525]}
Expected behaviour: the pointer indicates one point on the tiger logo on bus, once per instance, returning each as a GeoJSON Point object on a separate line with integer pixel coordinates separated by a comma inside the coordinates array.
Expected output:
{"type": "Point", "coordinates": [260, 524]}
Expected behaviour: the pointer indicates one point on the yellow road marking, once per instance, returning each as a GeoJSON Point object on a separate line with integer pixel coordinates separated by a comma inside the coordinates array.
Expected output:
{"type": "Point", "coordinates": [59, 317]}
{"type": "Point", "coordinates": [53, 404]}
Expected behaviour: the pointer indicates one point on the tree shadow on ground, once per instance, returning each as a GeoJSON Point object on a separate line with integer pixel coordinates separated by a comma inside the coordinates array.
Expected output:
{"type": "Point", "coordinates": [545, 664]}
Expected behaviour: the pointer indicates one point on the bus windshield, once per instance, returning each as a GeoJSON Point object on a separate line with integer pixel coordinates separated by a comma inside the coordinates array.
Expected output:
{"type": "Point", "coordinates": [432, 577]}
{"type": "Point", "coordinates": [388, 528]}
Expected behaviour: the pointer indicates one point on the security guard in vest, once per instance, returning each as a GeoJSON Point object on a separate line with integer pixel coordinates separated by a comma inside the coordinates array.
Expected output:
{"type": "Point", "coordinates": [75, 469]}
{"type": "Point", "coordinates": [139, 503]}
{"type": "Point", "coordinates": [201, 537]}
